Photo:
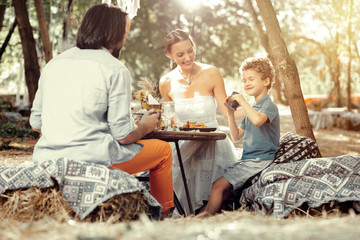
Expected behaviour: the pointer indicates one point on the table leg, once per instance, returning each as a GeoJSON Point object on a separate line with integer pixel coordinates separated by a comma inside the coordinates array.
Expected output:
{"type": "Point", "coordinates": [184, 177]}
{"type": "Point", "coordinates": [178, 205]}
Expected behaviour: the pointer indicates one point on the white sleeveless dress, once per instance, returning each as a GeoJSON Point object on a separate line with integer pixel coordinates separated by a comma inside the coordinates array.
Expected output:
{"type": "Point", "coordinates": [204, 161]}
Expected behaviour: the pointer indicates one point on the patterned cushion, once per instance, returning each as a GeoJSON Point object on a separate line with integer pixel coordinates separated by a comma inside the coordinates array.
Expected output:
{"type": "Point", "coordinates": [84, 185]}
{"type": "Point", "coordinates": [293, 148]}
{"type": "Point", "coordinates": [307, 184]}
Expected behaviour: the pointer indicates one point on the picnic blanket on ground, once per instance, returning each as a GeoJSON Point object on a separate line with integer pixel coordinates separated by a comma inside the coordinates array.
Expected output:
{"type": "Point", "coordinates": [83, 185]}
{"type": "Point", "coordinates": [284, 187]}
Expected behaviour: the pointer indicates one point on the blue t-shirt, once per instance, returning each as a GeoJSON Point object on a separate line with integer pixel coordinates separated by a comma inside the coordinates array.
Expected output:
{"type": "Point", "coordinates": [262, 142]}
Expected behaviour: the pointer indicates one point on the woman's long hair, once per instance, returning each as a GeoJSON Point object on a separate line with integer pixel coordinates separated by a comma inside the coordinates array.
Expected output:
{"type": "Point", "coordinates": [176, 36]}
{"type": "Point", "coordinates": [102, 26]}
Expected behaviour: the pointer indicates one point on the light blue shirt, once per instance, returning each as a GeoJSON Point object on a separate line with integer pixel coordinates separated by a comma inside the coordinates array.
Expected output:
{"type": "Point", "coordinates": [262, 142]}
{"type": "Point", "coordinates": [82, 107]}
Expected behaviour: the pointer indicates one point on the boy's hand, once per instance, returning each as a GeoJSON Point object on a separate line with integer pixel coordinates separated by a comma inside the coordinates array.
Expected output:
{"type": "Point", "coordinates": [239, 98]}
{"type": "Point", "coordinates": [226, 103]}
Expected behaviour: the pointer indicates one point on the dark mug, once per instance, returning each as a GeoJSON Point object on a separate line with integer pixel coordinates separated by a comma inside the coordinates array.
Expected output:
{"type": "Point", "coordinates": [231, 103]}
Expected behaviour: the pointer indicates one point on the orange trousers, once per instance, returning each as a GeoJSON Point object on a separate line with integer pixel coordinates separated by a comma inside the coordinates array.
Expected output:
{"type": "Point", "coordinates": [156, 157]}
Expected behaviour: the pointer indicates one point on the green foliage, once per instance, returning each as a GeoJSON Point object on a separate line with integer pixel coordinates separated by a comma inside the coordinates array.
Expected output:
{"type": "Point", "coordinates": [214, 32]}
{"type": "Point", "coordinates": [11, 132]}
{"type": "Point", "coordinates": [227, 44]}
{"type": "Point", "coordinates": [224, 33]}
{"type": "Point", "coordinates": [326, 26]}
{"type": "Point", "coordinates": [5, 107]}
{"type": "Point", "coordinates": [222, 40]}
{"type": "Point", "coordinates": [143, 52]}
{"type": "Point", "coordinates": [10, 59]}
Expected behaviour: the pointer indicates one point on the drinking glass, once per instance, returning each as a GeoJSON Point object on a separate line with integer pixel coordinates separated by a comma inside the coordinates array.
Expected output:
{"type": "Point", "coordinates": [168, 113]}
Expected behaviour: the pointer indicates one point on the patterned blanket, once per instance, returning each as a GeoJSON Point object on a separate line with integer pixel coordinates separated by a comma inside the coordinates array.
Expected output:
{"type": "Point", "coordinates": [83, 185]}
{"type": "Point", "coordinates": [284, 187]}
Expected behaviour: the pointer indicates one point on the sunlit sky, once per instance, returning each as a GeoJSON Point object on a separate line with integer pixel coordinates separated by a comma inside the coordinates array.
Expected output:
{"type": "Point", "coordinates": [315, 29]}
{"type": "Point", "coordinates": [311, 27]}
{"type": "Point", "coordinates": [191, 4]}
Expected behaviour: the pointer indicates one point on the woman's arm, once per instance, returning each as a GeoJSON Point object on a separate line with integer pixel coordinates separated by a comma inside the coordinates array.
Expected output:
{"type": "Point", "coordinates": [165, 87]}
{"type": "Point", "coordinates": [219, 90]}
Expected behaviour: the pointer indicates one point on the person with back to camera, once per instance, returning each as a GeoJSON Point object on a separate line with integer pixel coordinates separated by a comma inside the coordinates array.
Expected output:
{"type": "Point", "coordinates": [196, 89]}
{"type": "Point", "coordinates": [82, 107]}
{"type": "Point", "coordinates": [260, 130]}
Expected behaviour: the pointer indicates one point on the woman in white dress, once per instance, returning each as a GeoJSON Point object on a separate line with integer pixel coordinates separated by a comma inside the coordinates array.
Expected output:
{"type": "Point", "coordinates": [197, 90]}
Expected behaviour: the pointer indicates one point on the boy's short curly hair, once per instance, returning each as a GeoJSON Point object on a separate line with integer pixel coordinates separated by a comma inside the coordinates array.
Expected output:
{"type": "Point", "coordinates": [262, 65]}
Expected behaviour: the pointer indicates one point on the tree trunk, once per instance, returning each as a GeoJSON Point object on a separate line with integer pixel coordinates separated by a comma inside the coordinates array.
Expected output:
{"type": "Point", "coordinates": [68, 13]}
{"type": "Point", "coordinates": [7, 39]}
{"type": "Point", "coordinates": [287, 69]}
{"type": "Point", "coordinates": [348, 87]}
{"type": "Point", "coordinates": [2, 13]}
{"type": "Point", "coordinates": [264, 40]}
{"type": "Point", "coordinates": [43, 30]}
{"type": "Point", "coordinates": [337, 87]}
{"type": "Point", "coordinates": [32, 72]}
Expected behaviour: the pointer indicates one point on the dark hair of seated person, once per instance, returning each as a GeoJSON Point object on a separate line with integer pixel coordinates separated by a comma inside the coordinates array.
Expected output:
{"type": "Point", "coordinates": [102, 26]}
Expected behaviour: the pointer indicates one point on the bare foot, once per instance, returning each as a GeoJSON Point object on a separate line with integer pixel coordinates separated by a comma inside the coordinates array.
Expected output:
{"type": "Point", "coordinates": [204, 214]}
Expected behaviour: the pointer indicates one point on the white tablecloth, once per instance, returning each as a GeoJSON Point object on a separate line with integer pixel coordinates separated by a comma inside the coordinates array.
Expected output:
{"type": "Point", "coordinates": [320, 119]}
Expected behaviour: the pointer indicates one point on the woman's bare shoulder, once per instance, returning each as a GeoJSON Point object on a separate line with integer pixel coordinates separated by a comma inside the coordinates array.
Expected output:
{"type": "Point", "coordinates": [205, 66]}
{"type": "Point", "coordinates": [208, 68]}
{"type": "Point", "coordinates": [167, 77]}
{"type": "Point", "coordinates": [165, 85]}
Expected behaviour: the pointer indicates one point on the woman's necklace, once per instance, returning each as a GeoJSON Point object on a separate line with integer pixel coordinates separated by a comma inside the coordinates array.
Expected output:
{"type": "Point", "coordinates": [188, 78]}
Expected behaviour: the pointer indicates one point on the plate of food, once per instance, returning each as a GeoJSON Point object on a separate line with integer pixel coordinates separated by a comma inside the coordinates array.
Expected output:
{"type": "Point", "coordinates": [200, 129]}
{"type": "Point", "coordinates": [189, 126]}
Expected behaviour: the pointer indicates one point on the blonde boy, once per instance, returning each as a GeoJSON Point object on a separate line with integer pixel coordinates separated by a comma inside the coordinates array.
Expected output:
{"type": "Point", "coordinates": [260, 130]}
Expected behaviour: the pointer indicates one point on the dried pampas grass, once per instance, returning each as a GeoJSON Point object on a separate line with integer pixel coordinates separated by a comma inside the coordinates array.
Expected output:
{"type": "Point", "coordinates": [326, 210]}
{"type": "Point", "coordinates": [34, 204]}
{"type": "Point", "coordinates": [149, 86]}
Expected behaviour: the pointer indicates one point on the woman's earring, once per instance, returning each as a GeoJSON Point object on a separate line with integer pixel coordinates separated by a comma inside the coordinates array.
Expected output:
{"type": "Point", "coordinates": [171, 64]}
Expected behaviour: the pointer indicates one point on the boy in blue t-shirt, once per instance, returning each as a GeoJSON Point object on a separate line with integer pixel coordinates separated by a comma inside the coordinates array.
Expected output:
{"type": "Point", "coordinates": [260, 130]}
